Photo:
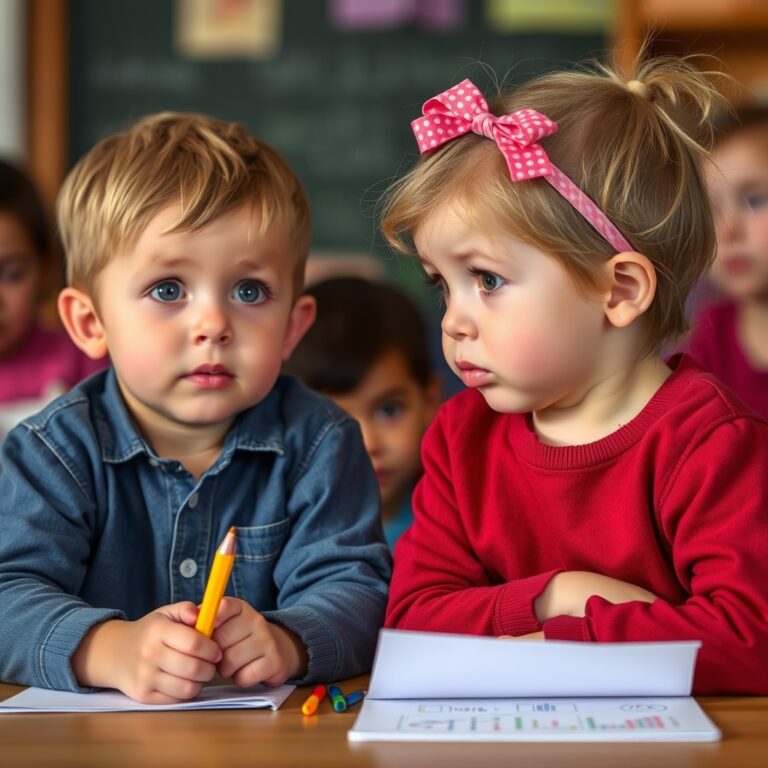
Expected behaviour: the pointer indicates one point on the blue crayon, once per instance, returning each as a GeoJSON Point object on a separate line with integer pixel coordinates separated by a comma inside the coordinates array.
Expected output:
{"type": "Point", "coordinates": [337, 698]}
{"type": "Point", "coordinates": [355, 697]}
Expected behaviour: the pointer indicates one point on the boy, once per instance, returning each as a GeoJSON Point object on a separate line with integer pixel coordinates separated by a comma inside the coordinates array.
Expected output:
{"type": "Point", "coordinates": [367, 350]}
{"type": "Point", "coordinates": [186, 240]}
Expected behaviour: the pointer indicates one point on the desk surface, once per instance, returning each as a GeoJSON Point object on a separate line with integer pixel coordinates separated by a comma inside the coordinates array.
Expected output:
{"type": "Point", "coordinates": [230, 739]}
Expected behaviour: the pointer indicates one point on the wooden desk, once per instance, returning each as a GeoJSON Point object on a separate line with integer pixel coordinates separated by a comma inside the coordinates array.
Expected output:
{"type": "Point", "coordinates": [230, 739]}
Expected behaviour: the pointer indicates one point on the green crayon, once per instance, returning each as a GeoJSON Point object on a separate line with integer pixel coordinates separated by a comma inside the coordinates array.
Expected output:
{"type": "Point", "coordinates": [337, 698]}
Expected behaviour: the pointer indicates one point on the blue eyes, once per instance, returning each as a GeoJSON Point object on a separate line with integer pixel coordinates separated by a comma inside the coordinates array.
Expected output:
{"type": "Point", "coordinates": [489, 282]}
{"type": "Point", "coordinates": [756, 201]}
{"type": "Point", "coordinates": [245, 292]}
{"type": "Point", "coordinates": [433, 281]}
{"type": "Point", "coordinates": [250, 292]}
{"type": "Point", "coordinates": [741, 204]}
{"type": "Point", "coordinates": [168, 290]}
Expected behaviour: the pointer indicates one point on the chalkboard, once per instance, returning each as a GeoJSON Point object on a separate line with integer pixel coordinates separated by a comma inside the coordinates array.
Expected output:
{"type": "Point", "coordinates": [336, 104]}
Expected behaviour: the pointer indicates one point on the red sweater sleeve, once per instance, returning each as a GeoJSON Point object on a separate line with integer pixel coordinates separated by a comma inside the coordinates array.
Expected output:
{"type": "Point", "coordinates": [438, 583]}
{"type": "Point", "coordinates": [714, 515]}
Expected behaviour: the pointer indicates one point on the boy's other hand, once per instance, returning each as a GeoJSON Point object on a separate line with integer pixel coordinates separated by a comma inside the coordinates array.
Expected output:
{"type": "Point", "coordinates": [255, 651]}
{"type": "Point", "coordinates": [158, 659]}
{"type": "Point", "coordinates": [567, 593]}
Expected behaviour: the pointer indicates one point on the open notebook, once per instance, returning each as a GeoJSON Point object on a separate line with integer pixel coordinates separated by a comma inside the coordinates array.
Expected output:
{"type": "Point", "coordinates": [211, 697]}
{"type": "Point", "coordinates": [442, 687]}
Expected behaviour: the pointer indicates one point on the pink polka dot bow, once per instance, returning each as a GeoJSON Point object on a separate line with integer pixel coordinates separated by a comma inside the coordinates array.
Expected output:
{"type": "Point", "coordinates": [462, 109]}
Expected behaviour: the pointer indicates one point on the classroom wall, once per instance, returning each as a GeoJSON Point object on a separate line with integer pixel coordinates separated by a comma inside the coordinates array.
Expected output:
{"type": "Point", "coordinates": [337, 103]}
{"type": "Point", "coordinates": [12, 56]}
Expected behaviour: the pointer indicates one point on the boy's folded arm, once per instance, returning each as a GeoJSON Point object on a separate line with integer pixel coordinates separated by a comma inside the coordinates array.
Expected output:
{"type": "Point", "coordinates": [44, 549]}
{"type": "Point", "coordinates": [715, 517]}
{"type": "Point", "coordinates": [333, 571]}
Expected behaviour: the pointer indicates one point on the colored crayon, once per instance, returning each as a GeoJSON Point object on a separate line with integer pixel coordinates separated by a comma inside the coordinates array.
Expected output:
{"type": "Point", "coordinates": [309, 707]}
{"type": "Point", "coordinates": [355, 697]}
{"type": "Point", "coordinates": [337, 698]}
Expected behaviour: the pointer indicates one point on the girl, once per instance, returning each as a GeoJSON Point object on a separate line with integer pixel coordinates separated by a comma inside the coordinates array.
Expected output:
{"type": "Point", "coordinates": [730, 336]}
{"type": "Point", "coordinates": [579, 488]}
{"type": "Point", "coordinates": [36, 364]}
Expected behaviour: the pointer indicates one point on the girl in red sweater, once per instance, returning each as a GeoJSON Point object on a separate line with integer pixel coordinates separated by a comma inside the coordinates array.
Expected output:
{"type": "Point", "coordinates": [580, 488]}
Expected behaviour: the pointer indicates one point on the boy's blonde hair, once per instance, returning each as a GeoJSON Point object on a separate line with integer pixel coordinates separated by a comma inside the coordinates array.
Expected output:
{"type": "Point", "coordinates": [208, 166]}
{"type": "Point", "coordinates": [632, 143]}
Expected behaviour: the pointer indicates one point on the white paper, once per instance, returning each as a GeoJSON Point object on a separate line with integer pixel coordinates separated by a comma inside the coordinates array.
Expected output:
{"type": "Point", "coordinates": [429, 686]}
{"type": "Point", "coordinates": [421, 665]}
{"type": "Point", "coordinates": [211, 697]}
{"type": "Point", "coordinates": [551, 719]}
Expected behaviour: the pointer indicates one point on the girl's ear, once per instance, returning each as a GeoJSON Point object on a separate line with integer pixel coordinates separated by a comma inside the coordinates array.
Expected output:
{"type": "Point", "coordinates": [81, 320]}
{"type": "Point", "coordinates": [301, 319]}
{"type": "Point", "coordinates": [631, 281]}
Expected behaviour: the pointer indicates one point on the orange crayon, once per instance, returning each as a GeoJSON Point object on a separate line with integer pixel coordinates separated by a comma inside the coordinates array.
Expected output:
{"type": "Point", "coordinates": [309, 707]}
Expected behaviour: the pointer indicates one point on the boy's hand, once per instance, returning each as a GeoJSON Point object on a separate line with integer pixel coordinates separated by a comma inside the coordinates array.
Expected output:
{"type": "Point", "coordinates": [567, 593]}
{"type": "Point", "coordinates": [255, 651]}
{"type": "Point", "coordinates": [158, 659]}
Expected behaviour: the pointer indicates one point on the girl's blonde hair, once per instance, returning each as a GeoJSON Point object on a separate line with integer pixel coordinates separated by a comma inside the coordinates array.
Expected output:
{"type": "Point", "coordinates": [632, 142]}
{"type": "Point", "coordinates": [208, 166]}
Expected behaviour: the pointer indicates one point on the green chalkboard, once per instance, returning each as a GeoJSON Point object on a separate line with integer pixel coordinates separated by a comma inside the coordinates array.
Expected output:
{"type": "Point", "coordinates": [336, 104]}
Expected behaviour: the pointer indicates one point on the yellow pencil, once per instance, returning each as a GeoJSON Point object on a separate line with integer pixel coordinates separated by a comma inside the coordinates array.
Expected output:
{"type": "Point", "coordinates": [217, 583]}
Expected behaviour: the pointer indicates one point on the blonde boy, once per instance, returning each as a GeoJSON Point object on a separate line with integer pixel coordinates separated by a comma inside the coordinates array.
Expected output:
{"type": "Point", "coordinates": [186, 240]}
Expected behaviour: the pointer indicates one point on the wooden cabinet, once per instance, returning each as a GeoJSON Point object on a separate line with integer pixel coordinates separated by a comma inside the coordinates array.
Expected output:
{"type": "Point", "coordinates": [734, 32]}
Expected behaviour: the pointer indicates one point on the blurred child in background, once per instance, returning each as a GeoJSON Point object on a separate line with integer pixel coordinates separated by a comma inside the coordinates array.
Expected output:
{"type": "Point", "coordinates": [368, 351]}
{"type": "Point", "coordinates": [730, 336]}
{"type": "Point", "coordinates": [36, 363]}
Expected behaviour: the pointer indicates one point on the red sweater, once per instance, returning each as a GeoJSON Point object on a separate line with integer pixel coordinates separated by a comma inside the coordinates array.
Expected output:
{"type": "Point", "coordinates": [676, 501]}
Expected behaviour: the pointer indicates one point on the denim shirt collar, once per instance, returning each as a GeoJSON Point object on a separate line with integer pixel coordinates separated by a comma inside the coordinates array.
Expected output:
{"type": "Point", "coordinates": [258, 428]}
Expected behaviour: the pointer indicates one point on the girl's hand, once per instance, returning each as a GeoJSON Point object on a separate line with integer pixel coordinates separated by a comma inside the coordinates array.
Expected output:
{"type": "Point", "coordinates": [254, 650]}
{"type": "Point", "coordinates": [158, 659]}
{"type": "Point", "coordinates": [567, 593]}
{"type": "Point", "coordinates": [530, 636]}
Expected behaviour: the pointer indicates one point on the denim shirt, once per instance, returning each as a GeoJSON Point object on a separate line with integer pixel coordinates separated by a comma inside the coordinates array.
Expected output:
{"type": "Point", "coordinates": [94, 525]}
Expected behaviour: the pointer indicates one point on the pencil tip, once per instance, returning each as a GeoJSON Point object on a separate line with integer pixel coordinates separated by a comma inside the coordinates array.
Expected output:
{"type": "Point", "coordinates": [227, 546]}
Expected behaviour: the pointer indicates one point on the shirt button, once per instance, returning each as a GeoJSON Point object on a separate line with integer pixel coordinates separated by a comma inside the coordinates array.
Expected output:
{"type": "Point", "coordinates": [154, 463]}
{"type": "Point", "coordinates": [188, 568]}
{"type": "Point", "coordinates": [193, 499]}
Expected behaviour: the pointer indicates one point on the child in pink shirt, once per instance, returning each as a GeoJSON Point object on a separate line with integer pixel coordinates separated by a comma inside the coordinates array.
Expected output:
{"type": "Point", "coordinates": [36, 363]}
{"type": "Point", "coordinates": [730, 337]}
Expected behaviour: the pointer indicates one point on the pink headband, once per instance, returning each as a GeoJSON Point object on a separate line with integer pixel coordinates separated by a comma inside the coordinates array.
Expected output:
{"type": "Point", "coordinates": [462, 109]}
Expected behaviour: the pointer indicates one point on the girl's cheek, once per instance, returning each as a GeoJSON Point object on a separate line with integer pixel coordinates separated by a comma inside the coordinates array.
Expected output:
{"type": "Point", "coordinates": [761, 235]}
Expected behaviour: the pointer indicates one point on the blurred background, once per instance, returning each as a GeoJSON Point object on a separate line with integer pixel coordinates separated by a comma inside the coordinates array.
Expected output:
{"type": "Point", "coordinates": [332, 84]}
